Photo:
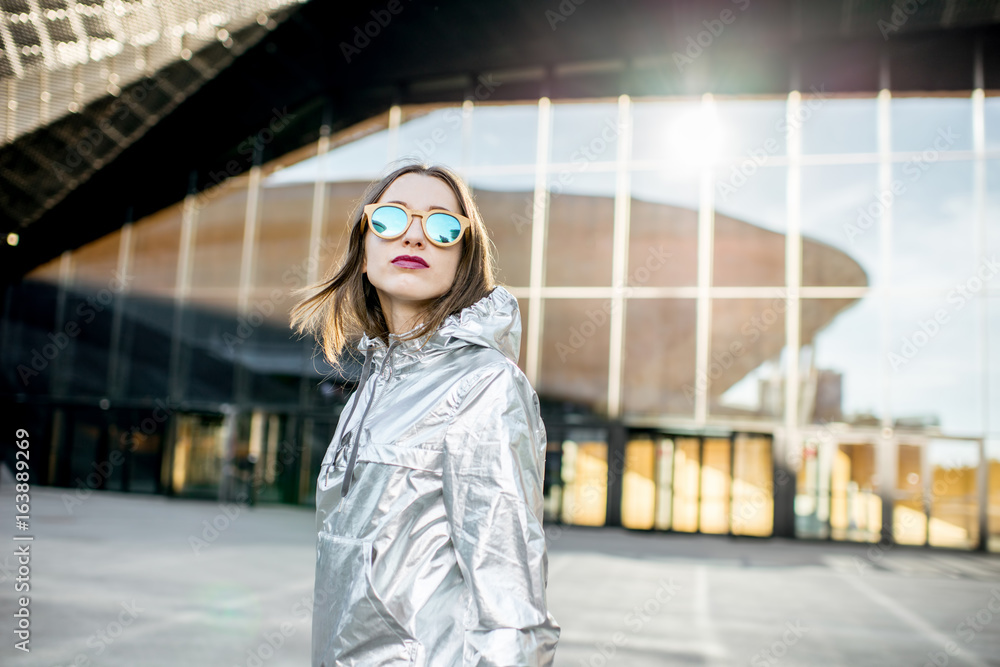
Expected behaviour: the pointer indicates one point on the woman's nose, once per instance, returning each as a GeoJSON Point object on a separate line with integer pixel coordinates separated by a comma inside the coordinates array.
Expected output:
{"type": "Point", "coordinates": [415, 233]}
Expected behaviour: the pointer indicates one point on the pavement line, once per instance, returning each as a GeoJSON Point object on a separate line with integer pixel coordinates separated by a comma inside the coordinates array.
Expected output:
{"type": "Point", "coordinates": [914, 621]}
{"type": "Point", "coordinates": [714, 650]}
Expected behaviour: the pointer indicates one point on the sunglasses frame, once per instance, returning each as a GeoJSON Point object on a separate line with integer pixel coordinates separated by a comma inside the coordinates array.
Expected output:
{"type": "Point", "coordinates": [465, 222]}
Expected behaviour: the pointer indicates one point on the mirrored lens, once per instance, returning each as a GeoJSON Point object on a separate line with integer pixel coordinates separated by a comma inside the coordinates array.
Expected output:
{"type": "Point", "coordinates": [389, 221]}
{"type": "Point", "coordinates": [443, 228]}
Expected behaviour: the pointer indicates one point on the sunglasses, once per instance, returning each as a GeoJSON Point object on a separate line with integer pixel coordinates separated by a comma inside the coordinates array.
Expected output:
{"type": "Point", "coordinates": [390, 221]}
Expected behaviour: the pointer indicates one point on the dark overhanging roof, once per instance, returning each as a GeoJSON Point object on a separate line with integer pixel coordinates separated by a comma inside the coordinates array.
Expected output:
{"type": "Point", "coordinates": [441, 52]}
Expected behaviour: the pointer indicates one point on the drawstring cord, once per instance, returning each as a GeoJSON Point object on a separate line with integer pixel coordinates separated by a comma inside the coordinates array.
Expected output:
{"type": "Point", "coordinates": [349, 473]}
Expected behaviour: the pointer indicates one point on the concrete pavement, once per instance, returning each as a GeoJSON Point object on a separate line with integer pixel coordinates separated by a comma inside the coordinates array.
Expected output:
{"type": "Point", "coordinates": [129, 580]}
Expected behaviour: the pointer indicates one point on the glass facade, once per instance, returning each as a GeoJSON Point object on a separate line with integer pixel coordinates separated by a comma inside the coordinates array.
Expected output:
{"type": "Point", "coordinates": [788, 305]}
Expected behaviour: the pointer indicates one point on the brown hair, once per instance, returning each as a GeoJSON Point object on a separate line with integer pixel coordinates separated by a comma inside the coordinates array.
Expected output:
{"type": "Point", "coordinates": [345, 304]}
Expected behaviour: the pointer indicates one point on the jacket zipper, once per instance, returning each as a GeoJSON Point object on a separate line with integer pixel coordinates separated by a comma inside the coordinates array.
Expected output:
{"type": "Point", "coordinates": [375, 396]}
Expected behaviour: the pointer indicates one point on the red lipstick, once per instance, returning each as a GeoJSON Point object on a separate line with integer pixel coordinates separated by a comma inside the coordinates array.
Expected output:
{"type": "Point", "coordinates": [410, 262]}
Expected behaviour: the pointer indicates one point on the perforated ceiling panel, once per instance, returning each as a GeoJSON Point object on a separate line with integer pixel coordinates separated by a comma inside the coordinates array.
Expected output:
{"type": "Point", "coordinates": [82, 80]}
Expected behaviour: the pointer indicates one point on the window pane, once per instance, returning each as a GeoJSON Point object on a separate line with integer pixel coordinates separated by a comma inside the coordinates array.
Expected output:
{"type": "Point", "coordinates": [574, 360]}
{"type": "Point", "coordinates": [935, 371]}
{"type": "Point", "coordinates": [504, 134]}
{"type": "Point", "coordinates": [839, 126]}
{"type": "Point", "coordinates": [434, 136]}
{"type": "Point", "coordinates": [659, 358]}
{"type": "Point", "coordinates": [992, 112]}
{"type": "Point", "coordinates": [584, 133]}
{"type": "Point", "coordinates": [749, 230]}
{"type": "Point", "coordinates": [909, 516]}
{"type": "Point", "coordinates": [524, 306]}
{"type": "Point", "coordinates": [155, 247]}
{"type": "Point", "coordinates": [840, 225]}
{"type": "Point", "coordinates": [261, 343]}
{"type": "Point", "coordinates": [842, 379]}
{"type": "Point", "coordinates": [90, 303]}
{"type": "Point", "coordinates": [658, 130]}
{"type": "Point", "coordinates": [992, 216]}
{"type": "Point", "coordinates": [663, 229]}
{"type": "Point", "coordinates": [751, 126]}
{"type": "Point", "coordinates": [581, 219]}
{"type": "Point", "coordinates": [745, 373]}
{"type": "Point", "coordinates": [359, 153]}
{"type": "Point", "coordinates": [993, 354]}
{"type": "Point", "coordinates": [282, 250]}
{"type": "Point", "coordinates": [929, 123]}
{"type": "Point", "coordinates": [218, 236]}
{"type": "Point", "coordinates": [206, 362]}
{"type": "Point", "coordinates": [954, 519]}
{"type": "Point", "coordinates": [147, 330]}
{"type": "Point", "coordinates": [753, 487]}
{"type": "Point", "coordinates": [934, 233]}
{"type": "Point", "coordinates": [507, 206]}
{"type": "Point", "coordinates": [993, 477]}
{"type": "Point", "coordinates": [341, 201]}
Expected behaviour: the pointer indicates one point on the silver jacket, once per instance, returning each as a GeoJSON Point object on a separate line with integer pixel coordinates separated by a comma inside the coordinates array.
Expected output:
{"type": "Point", "coordinates": [430, 546]}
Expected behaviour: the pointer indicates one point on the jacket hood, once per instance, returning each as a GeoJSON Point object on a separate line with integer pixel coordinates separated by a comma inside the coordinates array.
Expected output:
{"type": "Point", "coordinates": [493, 321]}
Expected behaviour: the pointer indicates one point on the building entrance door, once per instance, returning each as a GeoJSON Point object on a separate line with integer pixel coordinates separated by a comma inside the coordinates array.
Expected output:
{"type": "Point", "coordinates": [718, 485]}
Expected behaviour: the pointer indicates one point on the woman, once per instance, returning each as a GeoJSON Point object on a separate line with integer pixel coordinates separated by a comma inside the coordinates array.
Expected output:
{"type": "Point", "coordinates": [429, 500]}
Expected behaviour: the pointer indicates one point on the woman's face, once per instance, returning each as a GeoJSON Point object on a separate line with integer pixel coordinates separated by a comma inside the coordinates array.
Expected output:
{"type": "Point", "coordinates": [408, 286]}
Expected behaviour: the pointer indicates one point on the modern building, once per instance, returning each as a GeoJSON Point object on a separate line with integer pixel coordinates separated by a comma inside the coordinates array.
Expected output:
{"type": "Point", "coordinates": [754, 248]}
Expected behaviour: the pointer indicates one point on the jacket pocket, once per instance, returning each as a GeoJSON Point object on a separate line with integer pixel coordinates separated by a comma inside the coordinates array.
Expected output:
{"type": "Point", "coordinates": [351, 625]}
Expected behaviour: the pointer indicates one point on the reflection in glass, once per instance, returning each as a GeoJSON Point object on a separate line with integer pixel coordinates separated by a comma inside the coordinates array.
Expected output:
{"type": "Point", "coordinates": [750, 222]}
{"type": "Point", "coordinates": [575, 339]}
{"type": "Point", "coordinates": [341, 203]}
{"type": "Point", "coordinates": [432, 136]}
{"type": "Point", "coordinates": [659, 357]}
{"type": "Point", "coordinates": [90, 303]}
{"type": "Point", "coordinates": [664, 483]}
{"type": "Point", "coordinates": [935, 371]}
{"type": "Point", "coordinates": [715, 486]}
{"type": "Point", "coordinates": [993, 370]}
{"type": "Point", "coordinates": [362, 154]}
{"type": "Point", "coordinates": [753, 497]}
{"type": "Point", "coordinates": [579, 237]}
{"type": "Point", "coordinates": [687, 466]}
{"type": "Point", "coordinates": [584, 133]}
{"type": "Point", "coordinates": [812, 488]}
{"type": "Point", "coordinates": [282, 250]}
{"type": "Point", "coordinates": [839, 125]}
{"type": "Point", "coordinates": [155, 245]}
{"type": "Point", "coordinates": [506, 204]}
{"type": "Point", "coordinates": [841, 369]}
{"type": "Point", "coordinates": [504, 134]}
{"type": "Point", "coordinates": [663, 229]}
{"type": "Point", "coordinates": [909, 516]}
{"type": "Point", "coordinates": [656, 127]}
{"type": "Point", "coordinates": [841, 217]}
{"type": "Point", "coordinates": [218, 236]}
{"type": "Point", "coordinates": [745, 376]}
{"type": "Point", "coordinates": [993, 494]}
{"type": "Point", "coordinates": [198, 449]}
{"type": "Point", "coordinates": [750, 126]}
{"type": "Point", "coordinates": [206, 358]}
{"type": "Point", "coordinates": [992, 204]}
{"type": "Point", "coordinates": [95, 264]}
{"type": "Point", "coordinates": [585, 476]}
{"type": "Point", "coordinates": [931, 123]}
{"type": "Point", "coordinates": [991, 108]}
{"type": "Point", "coordinates": [934, 235]}
{"type": "Point", "coordinates": [855, 507]}
{"type": "Point", "coordinates": [638, 484]}
{"type": "Point", "coordinates": [954, 518]}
